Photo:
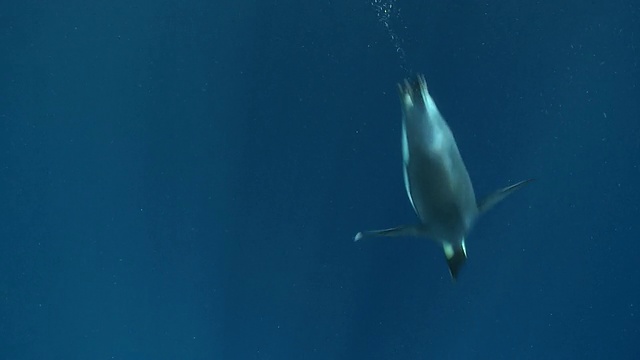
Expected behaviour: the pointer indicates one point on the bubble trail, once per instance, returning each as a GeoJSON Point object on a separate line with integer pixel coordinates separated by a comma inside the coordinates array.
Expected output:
{"type": "Point", "coordinates": [387, 11]}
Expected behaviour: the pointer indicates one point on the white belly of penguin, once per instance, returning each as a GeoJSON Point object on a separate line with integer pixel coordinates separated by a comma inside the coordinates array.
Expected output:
{"type": "Point", "coordinates": [435, 177]}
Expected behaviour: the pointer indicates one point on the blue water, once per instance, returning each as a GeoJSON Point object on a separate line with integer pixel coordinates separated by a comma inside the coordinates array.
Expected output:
{"type": "Point", "coordinates": [183, 179]}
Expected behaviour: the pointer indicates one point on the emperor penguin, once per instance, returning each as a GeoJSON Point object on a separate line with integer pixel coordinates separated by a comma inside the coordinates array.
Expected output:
{"type": "Point", "coordinates": [436, 179]}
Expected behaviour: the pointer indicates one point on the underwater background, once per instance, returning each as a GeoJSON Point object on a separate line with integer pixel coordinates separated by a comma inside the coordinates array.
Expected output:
{"type": "Point", "coordinates": [183, 179]}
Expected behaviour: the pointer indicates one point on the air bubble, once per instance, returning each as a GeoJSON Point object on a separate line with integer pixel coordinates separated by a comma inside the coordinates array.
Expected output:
{"type": "Point", "coordinates": [387, 13]}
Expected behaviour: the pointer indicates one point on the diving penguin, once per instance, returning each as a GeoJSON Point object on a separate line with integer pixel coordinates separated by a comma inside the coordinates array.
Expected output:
{"type": "Point", "coordinates": [436, 180]}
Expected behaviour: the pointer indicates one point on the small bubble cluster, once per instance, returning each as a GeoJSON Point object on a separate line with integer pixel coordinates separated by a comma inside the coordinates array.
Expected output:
{"type": "Point", "coordinates": [387, 11]}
